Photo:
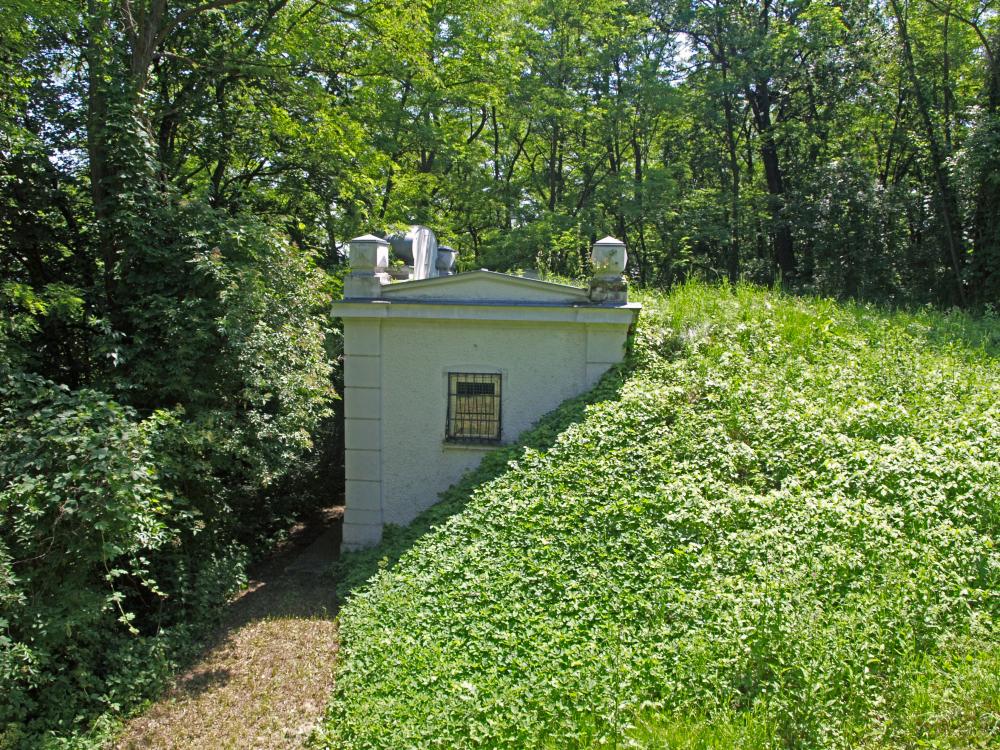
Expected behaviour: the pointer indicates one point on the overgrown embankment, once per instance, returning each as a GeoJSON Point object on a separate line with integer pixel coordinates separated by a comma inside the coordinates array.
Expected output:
{"type": "Point", "coordinates": [778, 529]}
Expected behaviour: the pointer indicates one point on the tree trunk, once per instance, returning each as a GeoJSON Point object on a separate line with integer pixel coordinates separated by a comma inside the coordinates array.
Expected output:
{"type": "Point", "coordinates": [947, 200]}
{"type": "Point", "coordinates": [97, 147]}
{"type": "Point", "coordinates": [986, 219]}
{"type": "Point", "coordinates": [553, 167]}
{"type": "Point", "coordinates": [733, 257]}
{"type": "Point", "coordinates": [759, 97]}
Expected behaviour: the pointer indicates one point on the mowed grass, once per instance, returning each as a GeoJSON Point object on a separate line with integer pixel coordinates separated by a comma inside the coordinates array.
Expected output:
{"type": "Point", "coordinates": [775, 528]}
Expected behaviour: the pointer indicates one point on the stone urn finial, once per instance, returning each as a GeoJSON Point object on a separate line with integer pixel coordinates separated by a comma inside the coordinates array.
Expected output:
{"type": "Point", "coordinates": [369, 259]}
{"type": "Point", "coordinates": [368, 254]}
{"type": "Point", "coordinates": [446, 260]}
{"type": "Point", "coordinates": [609, 258]}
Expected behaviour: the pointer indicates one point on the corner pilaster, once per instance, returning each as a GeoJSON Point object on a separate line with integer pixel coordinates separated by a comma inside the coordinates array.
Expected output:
{"type": "Point", "coordinates": [605, 347]}
{"type": "Point", "coordinates": [362, 433]}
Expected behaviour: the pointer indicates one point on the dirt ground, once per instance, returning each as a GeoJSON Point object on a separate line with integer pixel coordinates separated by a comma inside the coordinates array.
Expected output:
{"type": "Point", "coordinates": [263, 680]}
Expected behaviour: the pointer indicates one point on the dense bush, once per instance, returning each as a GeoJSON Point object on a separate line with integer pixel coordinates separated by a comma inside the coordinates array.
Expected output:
{"type": "Point", "coordinates": [228, 323]}
{"type": "Point", "coordinates": [129, 517]}
{"type": "Point", "coordinates": [158, 402]}
{"type": "Point", "coordinates": [787, 507]}
{"type": "Point", "coordinates": [83, 510]}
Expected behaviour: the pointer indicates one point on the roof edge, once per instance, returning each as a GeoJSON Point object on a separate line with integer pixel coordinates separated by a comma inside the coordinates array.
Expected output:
{"type": "Point", "coordinates": [398, 289]}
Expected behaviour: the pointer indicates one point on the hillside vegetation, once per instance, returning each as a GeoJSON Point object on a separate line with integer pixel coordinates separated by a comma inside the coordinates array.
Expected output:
{"type": "Point", "coordinates": [775, 528]}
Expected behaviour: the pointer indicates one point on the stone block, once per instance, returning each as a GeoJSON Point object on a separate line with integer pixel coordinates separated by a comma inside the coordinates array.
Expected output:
{"type": "Point", "coordinates": [364, 286]}
{"type": "Point", "coordinates": [605, 344]}
{"type": "Point", "coordinates": [364, 465]}
{"type": "Point", "coordinates": [362, 403]}
{"type": "Point", "coordinates": [360, 536]}
{"type": "Point", "coordinates": [595, 371]}
{"type": "Point", "coordinates": [363, 495]}
{"type": "Point", "coordinates": [362, 434]}
{"type": "Point", "coordinates": [362, 371]}
{"type": "Point", "coordinates": [362, 516]}
{"type": "Point", "coordinates": [362, 337]}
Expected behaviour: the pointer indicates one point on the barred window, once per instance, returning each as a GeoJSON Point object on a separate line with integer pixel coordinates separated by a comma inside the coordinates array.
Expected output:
{"type": "Point", "coordinates": [473, 407]}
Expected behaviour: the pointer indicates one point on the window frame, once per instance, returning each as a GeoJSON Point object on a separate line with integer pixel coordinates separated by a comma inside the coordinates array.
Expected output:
{"type": "Point", "coordinates": [494, 417]}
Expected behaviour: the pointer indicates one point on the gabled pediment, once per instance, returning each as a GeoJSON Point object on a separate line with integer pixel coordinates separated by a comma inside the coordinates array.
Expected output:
{"type": "Point", "coordinates": [484, 286]}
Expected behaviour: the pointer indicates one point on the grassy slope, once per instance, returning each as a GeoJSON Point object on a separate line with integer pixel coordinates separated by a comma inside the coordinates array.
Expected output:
{"type": "Point", "coordinates": [779, 530]}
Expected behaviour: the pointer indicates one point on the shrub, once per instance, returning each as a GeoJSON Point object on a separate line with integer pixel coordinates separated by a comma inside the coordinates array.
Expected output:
{"type": "Point", "coordinates": [229, 322]}
{"type": "Point", "coordinates": [83, 510]}
{"type": "Point", "coordinates": [129, 518]}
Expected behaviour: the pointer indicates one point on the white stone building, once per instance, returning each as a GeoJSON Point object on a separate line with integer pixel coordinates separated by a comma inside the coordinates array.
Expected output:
{"type": "Point", "coordinates": [440, 368]}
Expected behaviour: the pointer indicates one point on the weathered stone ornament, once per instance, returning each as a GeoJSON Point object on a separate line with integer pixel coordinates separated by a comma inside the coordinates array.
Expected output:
{"type": "Point", "coordinates": [368, 256]}
{"type": "Point", "coordinates": [609, 259]}
{"type": "Point", "coordinates": [418, 248]}
{"type": "Point", "coordinates": [446, 260]}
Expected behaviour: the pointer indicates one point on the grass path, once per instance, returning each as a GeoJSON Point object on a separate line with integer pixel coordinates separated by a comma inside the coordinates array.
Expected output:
{"type": "Point", "coordinates": [263, 681]}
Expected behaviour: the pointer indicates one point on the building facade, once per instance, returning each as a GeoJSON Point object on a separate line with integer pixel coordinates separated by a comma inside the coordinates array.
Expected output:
{"type": "Point", "coordinates": [440, 370]}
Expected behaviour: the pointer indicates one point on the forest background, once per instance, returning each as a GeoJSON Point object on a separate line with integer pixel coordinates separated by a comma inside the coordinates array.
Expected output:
{"type": "Point", "coordinates": [178, 181]}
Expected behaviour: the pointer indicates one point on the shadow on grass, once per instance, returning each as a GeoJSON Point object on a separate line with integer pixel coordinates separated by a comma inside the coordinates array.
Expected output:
{"type": "Point", "coordinates": [263, 670]}
{"type": "Point", "coordinates": [276, 590]}
{"type": "Point", "coordinates": [976, 330]}
{"type": "Point", "coordinates": [197, 683]}
{"type": "Point", "coordinates": [979, 334]}
{"type": "Point", "coordinates": [354, 569]}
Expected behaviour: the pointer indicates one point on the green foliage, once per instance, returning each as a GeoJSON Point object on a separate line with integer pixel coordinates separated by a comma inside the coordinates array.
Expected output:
{"type": "Point", "coordinates": [789, 507]}
{"type": "Point", "coordinates": [950, 700]}
{"type": "Point", "coordinates": [176, 188]}
{"type": "Point", "coordinates": [83, 512]}
{"type": "Point", "coordinates": [229, 323]}
{"type": "Point", "coordinates": [186, 348]}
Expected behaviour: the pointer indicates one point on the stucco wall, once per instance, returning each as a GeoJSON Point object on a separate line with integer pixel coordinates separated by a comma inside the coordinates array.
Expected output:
{"type": "Point", "coordinates": [541, 366]}
{"type": "Point", "coordinates": [397, 359]}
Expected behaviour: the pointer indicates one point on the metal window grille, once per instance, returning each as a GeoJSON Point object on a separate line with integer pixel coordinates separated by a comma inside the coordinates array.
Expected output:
{"type": "Point", "coordinates": [473, 407]}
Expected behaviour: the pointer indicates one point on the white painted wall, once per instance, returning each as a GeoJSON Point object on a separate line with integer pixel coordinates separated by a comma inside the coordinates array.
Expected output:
{"type": "Point", "coordinates": [541, 366]}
